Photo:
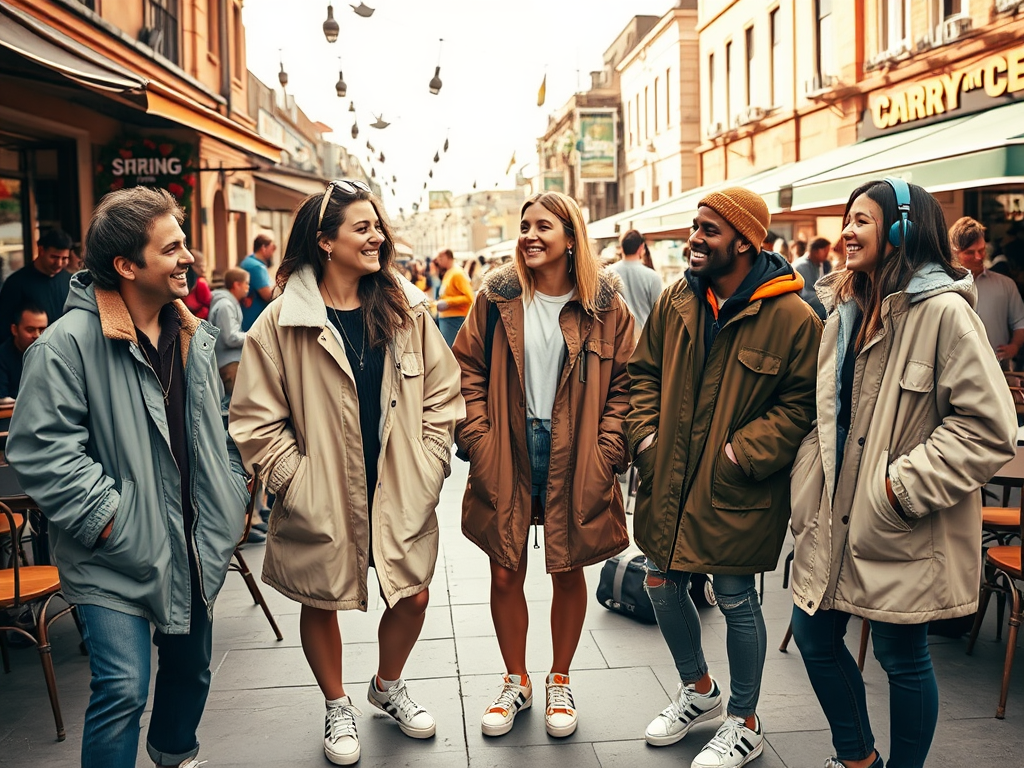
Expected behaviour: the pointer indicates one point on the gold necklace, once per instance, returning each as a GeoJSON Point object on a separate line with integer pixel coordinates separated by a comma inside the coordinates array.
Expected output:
{"type": "Point", "coordinates": [341, 327]}
{"type": "Point", "coordinates": [170, 378]}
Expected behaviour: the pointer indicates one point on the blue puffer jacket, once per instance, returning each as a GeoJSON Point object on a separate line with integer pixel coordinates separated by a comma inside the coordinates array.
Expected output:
{"type": "Point", "coordinates": [89, 441]}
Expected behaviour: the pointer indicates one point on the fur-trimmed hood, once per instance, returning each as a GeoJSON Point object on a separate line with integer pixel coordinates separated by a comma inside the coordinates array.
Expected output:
{"type": "Point", "coordinates": [502, 284]}
{"type": "Point", "coordinates": [302, 305]}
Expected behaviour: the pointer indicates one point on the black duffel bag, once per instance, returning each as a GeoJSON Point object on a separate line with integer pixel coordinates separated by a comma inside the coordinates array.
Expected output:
{"type": "Point", "coordinates": [621, 587]}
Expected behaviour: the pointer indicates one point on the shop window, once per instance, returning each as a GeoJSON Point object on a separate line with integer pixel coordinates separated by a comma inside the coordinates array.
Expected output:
{"type": "Point", "coordinates": [161, 30]}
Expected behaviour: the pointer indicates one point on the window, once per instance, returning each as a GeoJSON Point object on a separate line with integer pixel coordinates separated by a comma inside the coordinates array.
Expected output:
{"type": "Point", "coordinates": [775, 30]}
{"type": "Point", "coordinates": [631, 206]}
{"type": "Point", "coordinates": [239, 59]}
{"type": "Point", "coordinates": [825, 42]}
{"type": "Point", "coordinates": [894, 24]}
{"type": "Point", "coordinates": [711, 88]}
{"type": "Point", "coordinates": [668, 90]}
{"type": "Point", "coordinates": [629, 121]}
{"type": "Point", "coordinates": [638, 118]}
{"type": "Point", "coordinates": [161, 30]}
{"type": "Point", "coordinates": [655, 106]}
{"type": "Point", "coordinates": [728, 84]}
{"type": "Point", "coordinates": [749, 35]}
{"type": "Point", "coordinates": [647, 119]}
{"type": "Point", "coordinates": [670, 189]}
{"type": "Point", "coordinates": [213, 25]}
{"type": "Point", "coordinates": [641, 197]}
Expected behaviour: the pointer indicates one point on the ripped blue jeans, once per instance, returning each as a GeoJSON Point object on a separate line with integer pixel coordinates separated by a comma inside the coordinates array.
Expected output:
{"type": "Point", "coordinates": [745, 634]}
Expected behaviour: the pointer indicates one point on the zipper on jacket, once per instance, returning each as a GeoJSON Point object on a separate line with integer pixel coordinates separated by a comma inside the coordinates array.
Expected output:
{"type": "Point", "coordinates": [193, 483]}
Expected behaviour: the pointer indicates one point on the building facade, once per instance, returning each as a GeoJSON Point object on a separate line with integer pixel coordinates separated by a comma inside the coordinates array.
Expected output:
{"type": "Point", "coordinates": [97, 95]}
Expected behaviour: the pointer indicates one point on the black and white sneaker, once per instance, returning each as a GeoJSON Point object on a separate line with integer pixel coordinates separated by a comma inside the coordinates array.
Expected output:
{"type": "Point", "coordinates": [686, 710]}
{"type": "Point", "coordinates": [500, 716]}
{"type": "Point", "coordinates": [413, 719]}
{"type": "Point", "coordinates": [341, 742]}
{"type": "Point", "coordinates": [734, 745]}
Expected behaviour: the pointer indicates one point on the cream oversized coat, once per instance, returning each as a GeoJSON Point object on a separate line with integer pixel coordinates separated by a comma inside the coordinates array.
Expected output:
{"type": "Point", "coordinates": [930, 408]}
{"type": "Point", "coordinates": [295, 413]}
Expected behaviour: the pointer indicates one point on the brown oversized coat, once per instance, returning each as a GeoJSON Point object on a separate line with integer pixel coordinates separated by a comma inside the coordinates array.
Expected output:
{"type": "Point", "coordinates": [695, 510]}
{"type": "Point", "coordinates": [584, 521]}
{"type": "Point", "coordinates": [295, 412]}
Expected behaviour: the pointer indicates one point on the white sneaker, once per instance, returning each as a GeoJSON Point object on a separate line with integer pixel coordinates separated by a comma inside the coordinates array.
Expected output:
{"type": "Point", "coordinates": [514, 696]}
{"type": "Point", "coordinates": [413, 719]}
{"type": "Point", "coordinates": [560, 714]}
{"type": "Point", "coordinates": [686, 710]}
{"type": "Point", "coordinates": [341, 742]}
{"type": "Point", "coordinates": [734, 745]}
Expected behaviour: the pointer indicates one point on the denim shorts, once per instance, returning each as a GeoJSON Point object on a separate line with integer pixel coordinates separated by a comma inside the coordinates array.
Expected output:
{"type": "Point", "coordinates": [538, 443]}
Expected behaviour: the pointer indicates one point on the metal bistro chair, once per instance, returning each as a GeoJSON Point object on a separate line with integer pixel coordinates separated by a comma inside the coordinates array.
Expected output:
{"type": "Point", "coordinates": [1002, 574]}
{"type": "Point", "coordinates": [240, 566]}
{"type": "Point", "coordinates": [33, 586]}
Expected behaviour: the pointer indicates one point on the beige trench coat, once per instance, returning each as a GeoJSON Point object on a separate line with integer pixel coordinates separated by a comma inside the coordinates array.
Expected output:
{"type": "Point", "coordinates": [931, 409]}
{"type": "Point", "coordinates": [294, 412]}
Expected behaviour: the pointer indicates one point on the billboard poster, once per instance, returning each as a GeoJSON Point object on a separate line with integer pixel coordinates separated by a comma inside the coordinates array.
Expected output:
{"type": "Point", "coordinates": [554, 181]}
{"type": "Point", "coordinates": [440, 199]}
{"type": "Point", "coordinates": [597, 145]}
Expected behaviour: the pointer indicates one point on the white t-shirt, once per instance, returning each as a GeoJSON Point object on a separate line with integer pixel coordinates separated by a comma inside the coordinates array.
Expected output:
{"type": "Point", "coordinates": [544, 348]}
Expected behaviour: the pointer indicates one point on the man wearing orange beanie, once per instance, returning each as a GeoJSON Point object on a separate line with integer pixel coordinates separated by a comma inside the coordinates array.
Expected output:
{"type": "Point", "coordinates": [728, 357]}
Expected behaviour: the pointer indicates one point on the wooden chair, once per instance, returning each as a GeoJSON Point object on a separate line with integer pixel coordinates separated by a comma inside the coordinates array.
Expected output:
{"type": "Point", "coordinates": [240, 566]}
{"type": "Point", "coordinates": [15, 537]}
{"type": "Point", "coordinates": [35, 587]}
{"type": "Point", "coordinates": [1002, 574]}
{"type": "Point", "coordinates": [999, 526]}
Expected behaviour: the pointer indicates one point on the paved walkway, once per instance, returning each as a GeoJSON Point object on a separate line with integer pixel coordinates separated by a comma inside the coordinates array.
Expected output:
{"type": "Point", "coordinates": [265, 710]}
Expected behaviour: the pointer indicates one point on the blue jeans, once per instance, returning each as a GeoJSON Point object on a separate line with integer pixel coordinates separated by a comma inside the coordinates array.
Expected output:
{"type": "Point", "coordinates": [745, 634]}
{"type": "Point", "coordinates": [119, 658]}
{"type": "Point", "coordinates": [538, 445]}
{"type": "Point", "coordinates": [902, 650]}
{"type": "Point", "coordinates": [449, 327]}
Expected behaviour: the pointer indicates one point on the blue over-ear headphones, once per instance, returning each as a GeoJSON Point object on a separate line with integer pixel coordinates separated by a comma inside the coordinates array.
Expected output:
{"type": "Point", "coordinates": [903, 228]}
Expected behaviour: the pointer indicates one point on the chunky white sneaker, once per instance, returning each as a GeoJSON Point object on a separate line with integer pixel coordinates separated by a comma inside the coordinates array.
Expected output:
{"type": "Point", "coordinates": [684, 711]}
{"type": "Point", "coordinates": [734, 745]}
{"type": "Point", "coordinates": [514, 696]}
{"type": "Point", "coordinates": [341, 742]}
{"type": "Point", "coordinates": [835, 762]}
{"type": "Point", "coordinates": [413, 719]}
{"type": "Point", "coordinates": [560, 714]}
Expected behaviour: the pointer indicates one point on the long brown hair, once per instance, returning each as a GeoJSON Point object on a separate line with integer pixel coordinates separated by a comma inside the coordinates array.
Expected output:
{"type": "Point", "coordinates": [584, 265]}
{"type": "Point", "coordinates": [927, 244]}
{"type": "Point", "coordinates": [380, 294]}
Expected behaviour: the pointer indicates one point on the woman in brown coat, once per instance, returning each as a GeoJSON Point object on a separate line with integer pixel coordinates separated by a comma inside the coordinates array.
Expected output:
{"type": "Point", "coordinates": [543, 355]}
{"type": "Point", "coordinates": [347, 397]}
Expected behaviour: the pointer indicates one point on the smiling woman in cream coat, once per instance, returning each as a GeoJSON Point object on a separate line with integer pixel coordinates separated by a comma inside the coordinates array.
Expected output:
{"type": "Point", "coordinates": [347, 398]}
{"type": "Point", "coordinates": [913, 416]}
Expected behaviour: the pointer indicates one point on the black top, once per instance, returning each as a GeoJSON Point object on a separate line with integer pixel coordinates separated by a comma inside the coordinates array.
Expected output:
{"type": "Point", "coordinates": [31, 285]}
{"type": "Point", "coordinates": [10, 369]}
{"type": "Point", "coordinates": [369, 379]}
{"type": "Point", "coordinates": [846, 377]}
{"type": "Point", "coordinates": [170, 371]}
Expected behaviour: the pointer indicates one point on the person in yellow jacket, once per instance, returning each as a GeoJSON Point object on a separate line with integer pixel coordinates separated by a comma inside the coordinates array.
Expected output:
{"type": "Point", "coordinates": [455, 296]}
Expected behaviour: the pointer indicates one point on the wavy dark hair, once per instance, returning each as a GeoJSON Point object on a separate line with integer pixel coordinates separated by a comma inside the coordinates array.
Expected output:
{"type": "Point", "coordinates": [928, 244]}
{"type": "Point", "coordinates": [380, 294]}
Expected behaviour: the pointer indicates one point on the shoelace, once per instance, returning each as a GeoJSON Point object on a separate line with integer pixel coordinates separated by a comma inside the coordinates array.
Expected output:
{"type": "Point", "coordinates": [399, 696]}
{"type": "Point", "coordinates": [559, 697]}
{"type": "Point", "coordinates": [728, 736]}
{"type": "Point", "coordinates": [833, 763]}
{"type": "Point", "coordinates": [341, 721]}
{"type": "Point", "coordinates": [507, 698]}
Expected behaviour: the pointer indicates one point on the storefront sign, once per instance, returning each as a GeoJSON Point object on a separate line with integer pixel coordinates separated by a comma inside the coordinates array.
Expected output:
{"type": "Point", "coordinates": [241, 199]}
{"type": "Point", "coordinates": [998, 75]}
{"type": "Point", "coordinates": [151, 161]}
{"type": "Point", "coordinates": [598, 153]}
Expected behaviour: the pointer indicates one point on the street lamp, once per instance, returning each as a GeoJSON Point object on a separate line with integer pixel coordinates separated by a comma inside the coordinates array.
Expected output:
{"type": "Point", "coordinates": [435, 81]}
{"type": "Point", "coordinates": [331, 27]}
{"type": "Point", "coordinates": [282, 76]}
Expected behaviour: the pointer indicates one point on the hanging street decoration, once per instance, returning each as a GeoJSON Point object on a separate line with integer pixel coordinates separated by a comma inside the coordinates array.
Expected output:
{"type": "Point", "coordinates": [339, 87]}
{"type": "Point", "coordinates": [431, 174]}
{"type": "Point", "coordinates": [369, 146]}
{"type": "Point", "coordinates": [362, 10]}
{"type": "Point", "coordinates": [282, 76]}
{"type": "Point", "coordinates": [435, 81]}
{"type": "Point", "coordinates": [381, 157]}
{"type": "Point", "coordinates": [542, 93]}
{"type": "Point", "coordinates": [381, 123]}
{"type": "Point", "coordinates": [394, 180]}
{"type": "Point", "coordinates": [355, 131]}
{"type": "Point", "coordinates": [446, 144]}
{"type": "Point", "coordinates": [351, 106]}
{"type": "Point", "coordinates": [437, 157]}
{"type": "Point", "coordinates": [331, 27]}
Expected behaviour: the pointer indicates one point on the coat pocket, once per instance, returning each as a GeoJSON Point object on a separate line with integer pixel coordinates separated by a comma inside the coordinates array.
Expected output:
{"type": "Point", "coordinates": [644, 463]}
{"type": "Point", "coordinates": [877, 532]}
{"type": "Point", "coordinates": [760, 360]}
{"type": "Point", "coordinates": [131, 547]}
{"type": "Point", "coordinates": [595, 485]}
{"type": "Point", "coordinates": [483, 463]}
{"type": "Point", "coordinates": [298, 521]}
{"type": "Point", "coordinates": [733, 491]}
{"type": "Point", "coordinates": [807, 483]}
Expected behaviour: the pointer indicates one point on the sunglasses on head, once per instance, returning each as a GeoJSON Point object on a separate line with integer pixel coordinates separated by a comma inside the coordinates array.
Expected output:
{"type": "Point", "coordinates": [347, 186]}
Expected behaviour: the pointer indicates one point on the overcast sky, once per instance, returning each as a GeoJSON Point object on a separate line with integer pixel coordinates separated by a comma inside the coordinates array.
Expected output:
{"type": "Point", "coordinates": [494, 56]}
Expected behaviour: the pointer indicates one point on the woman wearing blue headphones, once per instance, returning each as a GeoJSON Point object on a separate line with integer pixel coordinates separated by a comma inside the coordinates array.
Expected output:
{"type": "Point", "coordinates": [913, 417]}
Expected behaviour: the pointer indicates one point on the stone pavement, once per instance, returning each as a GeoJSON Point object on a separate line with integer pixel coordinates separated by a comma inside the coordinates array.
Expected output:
{"type": "Point", "coordinates": [265, 709]}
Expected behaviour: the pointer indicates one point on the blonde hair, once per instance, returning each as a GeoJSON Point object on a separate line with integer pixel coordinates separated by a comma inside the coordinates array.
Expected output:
{"type": "Point", "coordinates": [584, 266]}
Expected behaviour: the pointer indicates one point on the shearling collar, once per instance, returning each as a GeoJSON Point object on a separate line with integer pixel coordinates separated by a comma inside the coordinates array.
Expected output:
{"type": "Point", "coordinates": [117, 323]}
{"type": "Point", "coordinates": [503, 284]}
{"type": "Point", "coordinates": [303, 306]}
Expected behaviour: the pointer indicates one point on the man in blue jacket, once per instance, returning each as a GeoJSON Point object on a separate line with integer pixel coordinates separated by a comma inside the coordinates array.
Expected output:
{"type": "Point", "coordinates": [123, 447]}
